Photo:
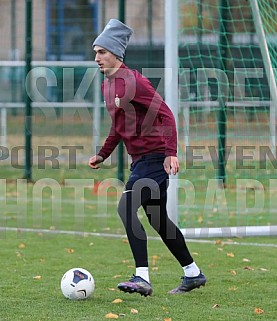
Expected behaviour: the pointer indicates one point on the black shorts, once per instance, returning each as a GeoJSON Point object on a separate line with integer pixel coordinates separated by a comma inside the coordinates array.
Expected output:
{"type": "Point", "coordinates": [149, 167]}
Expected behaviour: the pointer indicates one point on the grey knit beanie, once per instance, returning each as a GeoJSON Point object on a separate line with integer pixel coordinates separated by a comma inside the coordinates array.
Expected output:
{"type": "Point", "coordinates": [114, 38]}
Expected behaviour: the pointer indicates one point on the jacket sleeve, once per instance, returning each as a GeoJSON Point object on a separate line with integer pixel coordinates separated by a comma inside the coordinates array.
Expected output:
{"type": "Point", "coordinates": [110, 144]}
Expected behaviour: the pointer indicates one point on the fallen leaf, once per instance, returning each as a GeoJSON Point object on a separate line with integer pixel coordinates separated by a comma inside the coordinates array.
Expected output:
{"type": "Point", "coordinates": [233, 288]}
{"type": "Point", "coordinates": [233, 272]}
{"type": "Point", "coordinates": [215, 306]}
{"type": "Point", "coordinates": [220, 249]}
{"type": "Point", "coordinates": [116, 276]}
{"type": "Point", "coordinates": [248, 268]}
{"type": "Point", "coordinates": [111, 316]}
{"type": "Point", "coordinates": [154, 259]}
{"type": "Point", "coordinates": [218, 242]}
{"type": "Point", "coordinates": [134, 311]}
{"type": "Point", "coordinates": [155, 268]}
{"type": "Point", "coordinates": [245, 260]}
{"type": "Point", "coordinates": [230, 254]}
{"type": "Point", "coordinates": [70, 251]}
{"type": "Point", "coordinates": [117, 301]}
{"type": "Point", "coordinates": [263, 269]}
{"type": "Point", "coordinates": [21, 246]}
{"type": "Point", "coordinates": [259, 311]}
{"type": "Point", "coordinates": [37, 277]}
{"type": "Point", "coordinates": [125, 241]}
{"type": "Point", "coordinates": [167, 319]}
{"type": "Point", "coordinates": [200, 219]}
{"type": "Point", "coordinates": [111, 289]}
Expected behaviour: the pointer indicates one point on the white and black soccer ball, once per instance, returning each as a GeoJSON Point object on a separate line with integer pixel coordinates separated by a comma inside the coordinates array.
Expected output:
{"type": "Point", "coordinates": [77, 284]}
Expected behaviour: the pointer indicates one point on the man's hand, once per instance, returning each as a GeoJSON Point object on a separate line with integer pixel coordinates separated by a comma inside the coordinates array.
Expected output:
{"type": "Point", "coordinates": [171, 165]}
{"type": "Point", "coordinates": [94, 161]}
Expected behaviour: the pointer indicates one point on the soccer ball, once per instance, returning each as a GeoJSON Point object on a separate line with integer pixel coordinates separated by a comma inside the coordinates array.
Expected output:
{"type": "Point", "coordinates": [77, 284]}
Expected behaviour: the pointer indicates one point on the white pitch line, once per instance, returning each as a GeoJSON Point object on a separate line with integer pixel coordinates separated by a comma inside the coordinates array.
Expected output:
{"type": "Point", "coordinates": [47, 231]}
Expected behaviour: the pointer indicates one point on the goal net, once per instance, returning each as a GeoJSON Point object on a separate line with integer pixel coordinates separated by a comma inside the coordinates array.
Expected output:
{"type": "Point", "coordinates": [227, 99]}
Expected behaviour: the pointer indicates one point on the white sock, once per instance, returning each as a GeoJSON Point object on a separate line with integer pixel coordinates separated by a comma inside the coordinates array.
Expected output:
{"type": "Point", "coordinates": [191, 270]}
{"type": "Point", "coordinates": [143, 273]}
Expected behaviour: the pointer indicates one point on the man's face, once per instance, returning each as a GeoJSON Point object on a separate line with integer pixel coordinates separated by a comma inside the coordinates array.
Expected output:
{"type": "Point", "coordinates": [107, 62]}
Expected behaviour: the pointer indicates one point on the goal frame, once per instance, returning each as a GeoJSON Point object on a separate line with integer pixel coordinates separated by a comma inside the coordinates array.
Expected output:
{"type": "Point", "coordinates": [171, 96]}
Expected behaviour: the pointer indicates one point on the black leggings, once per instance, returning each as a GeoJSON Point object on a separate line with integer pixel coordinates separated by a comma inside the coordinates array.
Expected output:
{"type": "Point", "coordinates": [153, 200]}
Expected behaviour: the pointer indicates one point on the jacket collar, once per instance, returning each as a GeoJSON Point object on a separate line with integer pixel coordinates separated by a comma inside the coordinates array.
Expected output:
{"type": "Point", "coordinates": [119, 71]}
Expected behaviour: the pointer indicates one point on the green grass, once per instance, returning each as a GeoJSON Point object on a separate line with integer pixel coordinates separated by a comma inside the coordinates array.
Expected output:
{"type": "Point", "coordinates": [232, 291]}
{"type": "Point", "coordinates": [208, 206]}
{"type": "Point", "coordinates": [235, 287]}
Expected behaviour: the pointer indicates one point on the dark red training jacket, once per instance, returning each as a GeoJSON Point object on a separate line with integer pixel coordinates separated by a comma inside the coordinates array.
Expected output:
{"type": "Point", "coordinates": [139, 116]}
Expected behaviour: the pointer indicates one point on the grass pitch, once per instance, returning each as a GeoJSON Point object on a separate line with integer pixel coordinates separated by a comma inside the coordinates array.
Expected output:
{"type": "Point", "coordinates": [241, 278]}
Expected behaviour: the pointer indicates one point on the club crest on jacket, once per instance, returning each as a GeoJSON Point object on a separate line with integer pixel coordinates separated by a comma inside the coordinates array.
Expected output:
{"type": "Point", "coordinates": [117, 101]}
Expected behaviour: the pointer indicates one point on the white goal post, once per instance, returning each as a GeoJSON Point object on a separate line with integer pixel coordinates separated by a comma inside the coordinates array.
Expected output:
{"type": "Point", "coordinates": [268, 69]}
{"type": "Point", "coordinates": [171, 89]}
